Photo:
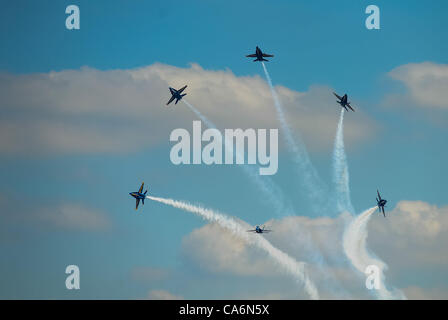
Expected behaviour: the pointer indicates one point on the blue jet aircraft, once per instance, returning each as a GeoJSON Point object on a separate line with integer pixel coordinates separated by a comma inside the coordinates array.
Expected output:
{"type": "Point", "coordinates": [381, 203]}
{"type": "Point", "coordinates": [259, 230]}
{"type": "Point", "coordinates": [343, 102]}
{"type": "Point", "coordinates": [139, 196]}
{"type": "Point", "coordinates": [259, 55]}
{"type": "Point", "coordinates": [176, 94]}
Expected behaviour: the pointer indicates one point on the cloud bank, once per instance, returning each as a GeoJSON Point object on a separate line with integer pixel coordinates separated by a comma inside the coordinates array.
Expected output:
{"type": "Point", "coordinates": [426, 83]}
{"type": "Point", "coordinates": [412, 241]}
{"type": "Point", "coordinates": [121, 111]}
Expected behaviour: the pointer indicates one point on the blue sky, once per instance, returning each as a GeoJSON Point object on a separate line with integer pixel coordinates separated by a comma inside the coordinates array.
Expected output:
{"type": "Point", "coordinates": [316, 43]}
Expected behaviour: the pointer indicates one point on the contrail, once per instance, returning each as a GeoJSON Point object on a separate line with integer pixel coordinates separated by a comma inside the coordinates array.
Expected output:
{"type": "Point", "coordinates": [355, 248]}
{"type": "Point", "coordinates": [290, 265]}
{"type": "Point", "coordinates": [271, 191]}
{"type": "Point", "coordinates": [340, 170]}
{"type": "Point", "coordinates": [200, 115]}
{"type": "Point", "coordinates": [355, 235]}
{"type": "Point", "coordinates": [310, 178]}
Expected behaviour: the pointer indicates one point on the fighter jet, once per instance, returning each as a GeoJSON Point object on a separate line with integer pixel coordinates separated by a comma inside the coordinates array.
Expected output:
{"type": "Point", "coordinates": [381, 203]}
{"type": "Point", "coordinates": [176, 94]}
{"type": "Point", "coordinates": [259, 55]}
{"type": "Point", "coordinates": [139, 196]}
{"type": "Point", "coordinates": [343, 102]}
{"type": "Point", "coordinates": [259, 230]}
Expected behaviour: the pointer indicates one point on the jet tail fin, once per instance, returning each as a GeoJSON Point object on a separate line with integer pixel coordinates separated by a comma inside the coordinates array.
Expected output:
{"type": "Point", "coordinates": [183, 95]}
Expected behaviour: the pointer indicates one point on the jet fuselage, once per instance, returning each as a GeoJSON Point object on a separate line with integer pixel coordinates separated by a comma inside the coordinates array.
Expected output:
{"type": "Point", "coordinates": [343, 101]}
{"type": "Point", "coordinates": [259, 55]}
{"type": "Point", "coordinates": [138, 195]}
{"type": "Point", "coordinates": [176, 94]}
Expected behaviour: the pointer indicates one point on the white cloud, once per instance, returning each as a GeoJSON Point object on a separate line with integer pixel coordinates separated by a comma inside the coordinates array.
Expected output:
{"type": "Point", "coordinates": [64, 216]}
{"type": "Point", "coordinates": [148, 274]}
{"type": "Point", "coordinates": [120, 111]}
{"type": "Point", "coordinates": [413, 237]}
{"type": "Point", "coordinates": [163, 295]}
{"type": "Point", "coordinates": [417, 293]}
{"type": "Point", "coordinates": [412, 241]}
{"type": "Point", "coordinates": [426, 83]}
{"type": "Point", "coordinates": [218, 251]}
{"type": "Point", "coordinates": [423, 220]}
{"type": "Point", "coordinates": [73, 216]}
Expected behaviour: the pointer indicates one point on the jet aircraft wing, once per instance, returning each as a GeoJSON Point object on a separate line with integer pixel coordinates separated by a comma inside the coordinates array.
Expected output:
{"type": "Point", "coordinates": [348, 105]}
{"type": "Point", "coordinates": [337, 96]}
{"type": "Point", "coordinates": [181, 89]}
{"type": "Point", "coordinates": [267, 55]}
{"type": "Point", "coordinates": [251, 55]}
{"type": "Point", "coordinates": [171, 100]}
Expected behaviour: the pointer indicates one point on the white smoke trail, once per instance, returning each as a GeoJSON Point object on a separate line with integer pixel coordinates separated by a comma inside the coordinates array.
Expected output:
{"type": "Point", "coordinates": [340, 170]}
{"type": "Point", "coordinates": [307, 172]}
{"type": "Point", "coordinates": [355, 248]}
{"type": "Point", "coordinates": [355, 235]}
{"type": "Point", "coordinates": [272, 192]}
{"type": "Point", "coordinates": [315, 188]}
{"type": "Point", "coordinates": [200, 115]}
{"type": "Point", "coordinates": [290, 265]}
